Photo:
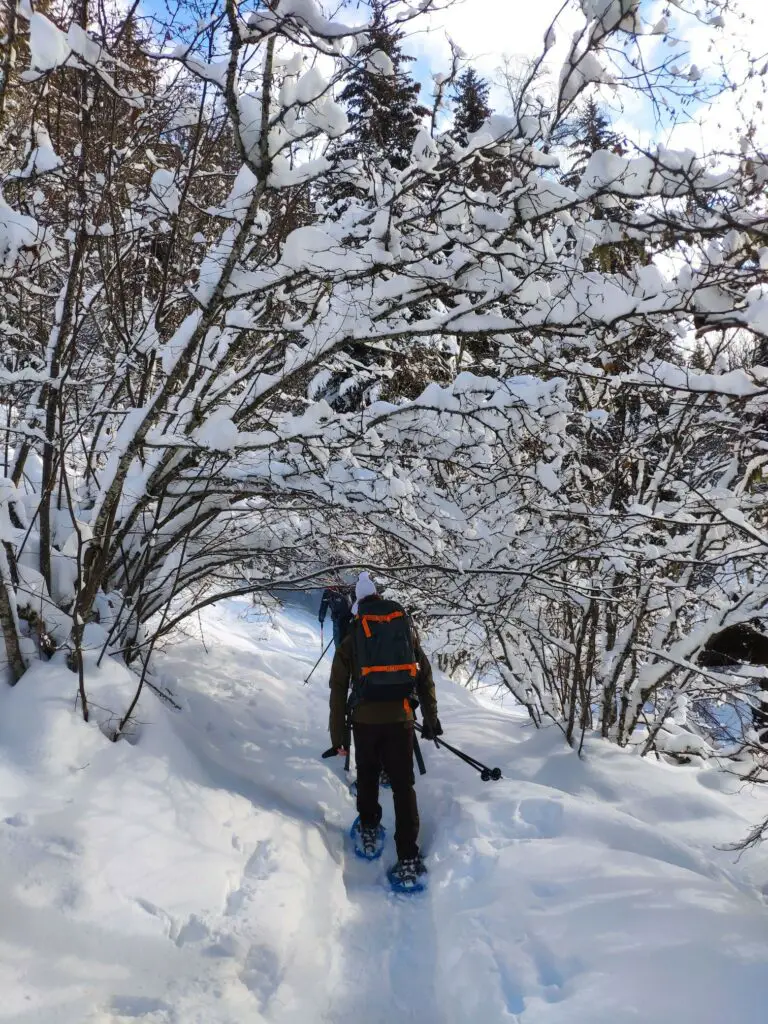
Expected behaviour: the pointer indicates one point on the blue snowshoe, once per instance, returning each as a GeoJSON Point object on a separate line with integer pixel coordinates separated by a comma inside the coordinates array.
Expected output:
{"type": "Point", "coordinates": [369, 842]}
{"type": "Point", "coordinates": [407, 876]}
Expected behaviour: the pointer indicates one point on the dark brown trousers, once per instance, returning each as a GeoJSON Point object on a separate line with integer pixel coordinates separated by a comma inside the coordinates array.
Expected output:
{"type": "Point", "coordinates": [389, 747]}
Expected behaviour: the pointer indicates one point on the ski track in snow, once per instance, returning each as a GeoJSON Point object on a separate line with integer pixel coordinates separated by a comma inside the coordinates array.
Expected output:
{"type": "Point", "coordinates": [204, 875]}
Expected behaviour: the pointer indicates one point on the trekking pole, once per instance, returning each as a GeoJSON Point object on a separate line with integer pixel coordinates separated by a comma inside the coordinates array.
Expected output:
{"type": "Point", "coordinates": [486, 774]}
{"type": "Point", "coordinates": [348, 741]}
{"type": "Point", "coordinates": [318, 661]}
{"type": "Point", "coordinates": [484, 770]}
{"type": "Point", "coordinates": [416, 748]}
{"type": "Point", "coordinates": [418, 755]}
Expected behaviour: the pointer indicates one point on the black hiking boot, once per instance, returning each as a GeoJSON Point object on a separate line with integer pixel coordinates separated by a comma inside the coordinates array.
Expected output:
{"type": "Point", "coordinates": [405, 875]}
{"type": "Point", "coordinates": [370, 842]}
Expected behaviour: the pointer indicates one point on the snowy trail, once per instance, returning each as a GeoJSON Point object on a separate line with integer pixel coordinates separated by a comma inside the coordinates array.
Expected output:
{"type": "Point", "coordinates": [204, 874]}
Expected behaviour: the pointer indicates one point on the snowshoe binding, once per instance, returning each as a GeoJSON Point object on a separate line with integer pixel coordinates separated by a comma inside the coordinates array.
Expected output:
{"type": "Point", "coordinates": [408, 876]}
{"type": "Point", "coordinates": [369, 842]}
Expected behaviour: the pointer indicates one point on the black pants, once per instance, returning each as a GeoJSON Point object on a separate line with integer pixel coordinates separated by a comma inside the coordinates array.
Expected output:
{"type": "Point", "coordinates": [389, 747]}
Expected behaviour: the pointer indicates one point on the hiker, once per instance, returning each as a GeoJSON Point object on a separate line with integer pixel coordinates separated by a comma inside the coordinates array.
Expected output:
{"type": "Point", "coordinates": [337, 599]}
{"type": "Point", "coordinates": [738, 645]}
{"type": "Point", "coordinates": [382, 658]}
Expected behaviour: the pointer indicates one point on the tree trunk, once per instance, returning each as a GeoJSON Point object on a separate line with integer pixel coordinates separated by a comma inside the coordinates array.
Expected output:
{"type": "Point", "coordinates": [9, 626]}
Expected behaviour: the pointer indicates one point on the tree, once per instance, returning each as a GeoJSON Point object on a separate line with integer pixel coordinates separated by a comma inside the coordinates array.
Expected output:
{"type": "Point", "coordinates": [589, 131]}
{"type": "Point", "coordinates": [471, 108]}
{"type": "Point", "coordinates": [381, 98]}
{"type": "Point", "coordinates": [169, 344]}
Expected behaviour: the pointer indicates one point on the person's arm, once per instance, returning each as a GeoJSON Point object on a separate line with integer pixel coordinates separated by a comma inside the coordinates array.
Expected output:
{"type": "Point", "coordinates": [341, 671]}
{"type": "Point", "coordinates": [323, 607]}
{"type": "Point", "coordinates": [425, 688]}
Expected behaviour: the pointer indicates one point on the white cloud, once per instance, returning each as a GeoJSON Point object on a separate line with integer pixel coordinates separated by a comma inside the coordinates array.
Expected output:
{"type": "Point", "coordinates": [719, 126]}
{"type": "Point", "coordinates": [489, 30]}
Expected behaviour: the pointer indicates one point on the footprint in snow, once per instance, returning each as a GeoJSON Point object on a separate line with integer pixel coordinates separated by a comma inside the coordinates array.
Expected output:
{"type": "Point", "coordinates": [212, 943]}
{"type": "Point", "coordinates": [262, 974]}
{"type": "Point", "coordinates": [543, 817]}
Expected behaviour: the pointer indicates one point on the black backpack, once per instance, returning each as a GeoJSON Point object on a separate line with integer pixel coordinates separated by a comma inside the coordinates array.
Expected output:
{"type": "Point", "coordinates": [384, 654]}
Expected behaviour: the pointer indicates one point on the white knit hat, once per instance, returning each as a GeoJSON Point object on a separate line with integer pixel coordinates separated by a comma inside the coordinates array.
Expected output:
{"type": "Point", "coordinates": [365, 587]}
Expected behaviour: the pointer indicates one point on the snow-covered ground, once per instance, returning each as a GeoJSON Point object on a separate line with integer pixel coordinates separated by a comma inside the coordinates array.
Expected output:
{"type": "Point", "coordinates": [202, 874]}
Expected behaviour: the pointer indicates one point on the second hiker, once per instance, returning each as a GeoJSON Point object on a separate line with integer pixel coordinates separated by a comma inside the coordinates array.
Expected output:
{"type": "Point", "coordinates": [338, 600]}
{"type": "Point", "coordinates": [383, 661]}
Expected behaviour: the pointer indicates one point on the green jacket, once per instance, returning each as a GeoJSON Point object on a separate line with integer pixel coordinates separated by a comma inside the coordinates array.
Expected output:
{"type": "Point", "coordinates": [375, 712]}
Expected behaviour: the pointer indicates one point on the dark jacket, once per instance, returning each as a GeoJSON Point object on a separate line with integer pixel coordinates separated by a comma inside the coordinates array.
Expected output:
{"type": "Point", "coordinates": [375, 712]}
{"type": "Point", "coordinates": [339, 603]}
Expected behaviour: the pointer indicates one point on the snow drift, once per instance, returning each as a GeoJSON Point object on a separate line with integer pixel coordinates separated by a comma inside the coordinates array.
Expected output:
{"type": "Point", "coordinates": [203, 873]}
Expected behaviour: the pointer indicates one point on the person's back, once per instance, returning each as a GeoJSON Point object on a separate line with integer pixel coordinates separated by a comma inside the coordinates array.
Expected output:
{"type": "Point", "coordinates": [382, 659]}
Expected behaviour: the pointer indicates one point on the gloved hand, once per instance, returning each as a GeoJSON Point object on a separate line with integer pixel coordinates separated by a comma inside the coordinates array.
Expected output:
{"type": "Point", "coordinates": [333, 751]}
{"type": "Point", "coordinates": [431, 730]}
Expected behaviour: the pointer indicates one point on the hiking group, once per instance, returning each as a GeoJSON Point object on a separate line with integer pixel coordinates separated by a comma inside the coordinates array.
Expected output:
{"type": "Point", "coordinates": [379, 676]}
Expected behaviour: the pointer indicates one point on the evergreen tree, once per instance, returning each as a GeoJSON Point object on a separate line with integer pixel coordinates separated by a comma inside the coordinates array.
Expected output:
{"type": "Point", "coordinates": [382, 100]}
{"type": "Point", "coordinates": [471, 98]}
{"type": "Point", "coordinates": [589, 132]}
{"type": "Point", "coordinates": [470, 113]}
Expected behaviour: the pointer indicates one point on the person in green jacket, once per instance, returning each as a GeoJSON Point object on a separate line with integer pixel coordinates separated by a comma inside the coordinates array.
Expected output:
{"type": "Point", "coordinates": [384, 734]}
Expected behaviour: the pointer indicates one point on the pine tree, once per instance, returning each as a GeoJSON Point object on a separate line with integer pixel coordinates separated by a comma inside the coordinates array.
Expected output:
{"type": "Point", "coordinates": [383, 107]}
{"type": "Point", "coordinates": [472, 109]}
{"type": "Point", "coordinates": [382, 101]}
{"type": "Point", "coordinates": [589, 132]}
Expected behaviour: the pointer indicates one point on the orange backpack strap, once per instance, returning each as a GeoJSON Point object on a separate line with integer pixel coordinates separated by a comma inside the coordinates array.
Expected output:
{"type": "Point", "coordinates": [412, 669]}
{"type": "Point", "coordinates": [379, 618]}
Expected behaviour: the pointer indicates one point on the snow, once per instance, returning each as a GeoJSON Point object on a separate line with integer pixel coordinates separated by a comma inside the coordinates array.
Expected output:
{"type": "Point", "coordinates": [211, 71]}
{"type": "Point", "coordinates": [164, 195]}
{"type": "Point", "coordinates": [85, 47]}
{"type": "Point", "coordinates": [17, 231]}
{"type": "Point", "coordinates": [667, 173]}
{"type": "Point", "coordinates": [307, 13]}
{"type": "Point", "coordinates": [547, 476]}
{"type": "Point", "coordinates": [42, 159]}
{"type": "Point", "coordinates": [315, 249]}
{"type": "Point", "coordinates": [202, 873]}
{"type": "Point", "coordinates": [380, 63]}
{"type": "Point", "coordinates": [48, 45]}
{"type": "Point", "coordinates": [738, 383]}
{"type": "Point", "coordinates": [311, 85]}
